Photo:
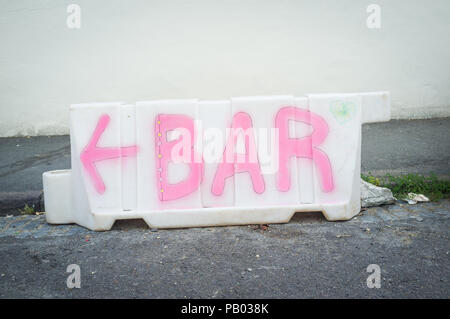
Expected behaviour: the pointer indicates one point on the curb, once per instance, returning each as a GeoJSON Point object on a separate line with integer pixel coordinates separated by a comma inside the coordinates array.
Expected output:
{"type": "Point", "coordinates": [12, 202]}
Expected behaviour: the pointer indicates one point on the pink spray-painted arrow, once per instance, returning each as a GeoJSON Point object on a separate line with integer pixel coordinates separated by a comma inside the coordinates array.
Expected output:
{"type": "Point", "coordinates": [91, 153]}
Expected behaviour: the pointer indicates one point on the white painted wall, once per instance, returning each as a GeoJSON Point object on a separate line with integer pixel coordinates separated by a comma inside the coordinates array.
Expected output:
{"type": "Point", "coordinates": [214, 49]}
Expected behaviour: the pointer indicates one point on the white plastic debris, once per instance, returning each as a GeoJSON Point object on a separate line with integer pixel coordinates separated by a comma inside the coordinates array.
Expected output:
{"type": "Point", "coordinates": [413, 198]}
{"type": "Point", "coordinates": [372, 195]}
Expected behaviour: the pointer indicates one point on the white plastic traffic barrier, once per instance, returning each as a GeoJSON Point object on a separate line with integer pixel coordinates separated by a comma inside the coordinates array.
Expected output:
{"type": "Point", "coordinates": [189, 163]}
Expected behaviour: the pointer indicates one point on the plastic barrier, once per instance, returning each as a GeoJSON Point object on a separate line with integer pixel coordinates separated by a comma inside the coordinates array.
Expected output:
{"type": "Point", "coordinates": [188, 163]}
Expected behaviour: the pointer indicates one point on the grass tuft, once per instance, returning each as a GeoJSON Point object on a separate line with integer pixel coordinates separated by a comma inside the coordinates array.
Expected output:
{"type": "Point", "coordinates": [430, 186]}
{"type": "Point", "coordinates": [27, 210]}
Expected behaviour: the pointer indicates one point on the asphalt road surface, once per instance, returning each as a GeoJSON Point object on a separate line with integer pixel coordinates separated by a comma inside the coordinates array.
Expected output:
{"type": "Point", "coordinates": [306, 258]}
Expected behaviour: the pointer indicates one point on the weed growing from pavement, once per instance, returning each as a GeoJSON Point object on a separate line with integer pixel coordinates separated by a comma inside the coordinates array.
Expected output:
{"type": "Point", "coordinates": [430, 186]}
{"type": "Point", "coordinates": [27, 210]}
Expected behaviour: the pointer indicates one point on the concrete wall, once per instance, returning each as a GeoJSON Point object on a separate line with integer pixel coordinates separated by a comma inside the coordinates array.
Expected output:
{"type": "Point", "coordinates": [213, 49]}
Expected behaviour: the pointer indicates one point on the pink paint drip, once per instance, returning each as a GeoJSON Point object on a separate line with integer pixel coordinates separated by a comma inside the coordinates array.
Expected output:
{"type": "Point", "coordinates": [91, 153]}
